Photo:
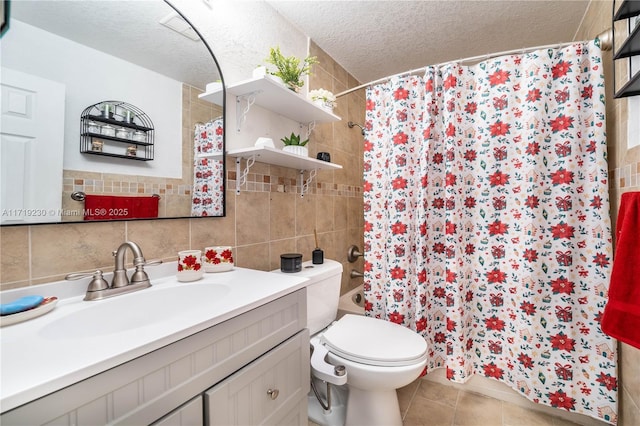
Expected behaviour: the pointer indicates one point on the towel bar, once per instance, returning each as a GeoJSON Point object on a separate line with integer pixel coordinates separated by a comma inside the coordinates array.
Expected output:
{"type": "Point", "coordinates": [80, 196]}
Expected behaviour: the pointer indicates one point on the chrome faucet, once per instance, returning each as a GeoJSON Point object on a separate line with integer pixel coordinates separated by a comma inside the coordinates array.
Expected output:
{"type": "Point", "coordinates": [99, 288]}
{"type": "Point", "coordinates": [120, 273]}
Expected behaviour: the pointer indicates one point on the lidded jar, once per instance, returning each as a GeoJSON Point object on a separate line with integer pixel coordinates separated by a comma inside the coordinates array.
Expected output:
{"type": "Point", "coordinates": [108, 130]}
{"type": "Point", "coordinates": [139, 136]}
{"type": "Point", "coordinates": [123, 133]}
{"type": "Point", "coordinates": [93, 127]}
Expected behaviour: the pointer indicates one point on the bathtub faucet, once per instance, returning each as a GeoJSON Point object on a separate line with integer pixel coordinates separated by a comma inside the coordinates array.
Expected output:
{"type": "Point", "coordinates": [353, 253]}
{"type": "Point", "coordinates": [356, 274]}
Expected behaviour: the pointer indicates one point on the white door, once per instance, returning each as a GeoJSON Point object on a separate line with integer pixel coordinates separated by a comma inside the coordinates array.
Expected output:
{"type": "Point", "coordinates": [31, 148]}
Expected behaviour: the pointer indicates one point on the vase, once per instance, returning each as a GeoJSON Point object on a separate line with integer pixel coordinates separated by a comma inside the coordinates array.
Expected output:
{"type": "Point", "coordinates": [302, 151]}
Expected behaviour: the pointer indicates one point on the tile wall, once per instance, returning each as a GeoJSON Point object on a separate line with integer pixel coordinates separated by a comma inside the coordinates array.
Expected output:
{"type": "Point", "coordinates": [266, 219]}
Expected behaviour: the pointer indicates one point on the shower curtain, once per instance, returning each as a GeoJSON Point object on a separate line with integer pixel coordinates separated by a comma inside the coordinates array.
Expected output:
{"type": "Point", "coordinates": [487, 224]}
{"type": "Point", "coordinates": [208, 199]}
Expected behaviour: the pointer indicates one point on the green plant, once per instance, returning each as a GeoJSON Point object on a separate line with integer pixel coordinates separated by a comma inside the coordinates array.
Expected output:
{"type": "Point", "coordinates": [289, 68]}
{"type": "Point", "coordinates": [293, 140]}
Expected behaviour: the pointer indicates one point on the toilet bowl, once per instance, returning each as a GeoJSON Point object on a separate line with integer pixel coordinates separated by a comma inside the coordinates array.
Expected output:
{"type": "Point", "coordinates": [379, 356]}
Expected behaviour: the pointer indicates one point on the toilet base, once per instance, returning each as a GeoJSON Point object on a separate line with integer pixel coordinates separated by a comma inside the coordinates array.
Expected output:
{"type": "Point", "coordinates": [336, 416]}
{"type": "Point", "coordinates": [373, 408]}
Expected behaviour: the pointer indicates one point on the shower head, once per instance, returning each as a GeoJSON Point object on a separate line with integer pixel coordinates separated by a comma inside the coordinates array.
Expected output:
{"type": "Point", "coordinates": [351, 125]}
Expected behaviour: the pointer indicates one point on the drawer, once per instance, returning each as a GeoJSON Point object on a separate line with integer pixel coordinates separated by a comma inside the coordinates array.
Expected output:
{"type": "Point", "coordinates": [266, 391]}
{"type": "Point", "coordinates": [189, 414]}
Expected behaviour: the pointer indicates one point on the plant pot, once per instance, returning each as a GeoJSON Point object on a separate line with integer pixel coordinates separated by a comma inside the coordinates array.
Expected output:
{"type": "Point", "coordinates": [302, 151]}
{"type": "Point", "coordinates": [260, 72]}
{"type": "Point", "coordinates": [323, 104]}
{"type": "Point", "coordinates": [291, 87]}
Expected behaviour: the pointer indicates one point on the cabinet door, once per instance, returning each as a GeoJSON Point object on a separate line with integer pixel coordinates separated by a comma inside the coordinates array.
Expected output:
{"type": "Point", "coordinates": [189, 414]}
{"type": "Point", "coordinates": [265, 392]}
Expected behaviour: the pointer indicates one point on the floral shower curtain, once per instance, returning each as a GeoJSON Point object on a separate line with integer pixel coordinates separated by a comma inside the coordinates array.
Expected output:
{"type": "Point", "coordinates": [487, 224]}
{"type": "Point", "coordinates": [208, 170]}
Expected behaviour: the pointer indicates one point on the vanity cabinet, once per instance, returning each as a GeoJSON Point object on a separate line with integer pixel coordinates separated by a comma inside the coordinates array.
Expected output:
{"type": "Point", "coordinates": [225, 374]}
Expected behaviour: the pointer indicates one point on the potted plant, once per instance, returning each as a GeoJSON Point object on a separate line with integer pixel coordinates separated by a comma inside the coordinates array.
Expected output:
{"type": "Point", "coordinates": [323, 98]}
{"type": "Point", "coordinates": [289, 68]}
{"type": "Point", "coordinates": [293, 145]}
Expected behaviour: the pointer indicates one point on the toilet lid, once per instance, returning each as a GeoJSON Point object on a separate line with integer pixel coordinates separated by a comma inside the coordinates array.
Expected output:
{"type": "Point", "coordinates": [374, 341]}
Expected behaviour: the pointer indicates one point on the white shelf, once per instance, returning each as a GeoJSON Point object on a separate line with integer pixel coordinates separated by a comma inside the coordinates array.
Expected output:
{"type": "Point", "coordinates": [212, 156]}
{"type": "Point", "coordinates": [274, 96]}
{"type": "Point", "coordinates": [279, 157]}
{"type": "Point", "coordinates": [213, 94]}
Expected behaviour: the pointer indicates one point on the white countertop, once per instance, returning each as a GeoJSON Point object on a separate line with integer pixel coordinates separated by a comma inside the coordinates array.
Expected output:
{"type": "Point", "coordinates": [35, 362]}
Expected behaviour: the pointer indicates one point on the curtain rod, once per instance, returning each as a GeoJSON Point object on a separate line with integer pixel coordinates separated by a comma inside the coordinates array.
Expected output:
{"type": "Point", "coordinates": [605, 38]}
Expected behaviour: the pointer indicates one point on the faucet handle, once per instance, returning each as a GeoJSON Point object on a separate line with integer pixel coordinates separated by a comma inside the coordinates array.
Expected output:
{"type": "Point", "coordinates": [96, 284]}
{"type": "Point", "coordinates": [153, 262]}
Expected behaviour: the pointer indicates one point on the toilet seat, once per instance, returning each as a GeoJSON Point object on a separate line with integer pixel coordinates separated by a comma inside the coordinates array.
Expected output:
{"type": "Point", "coordinates": [374, 341]}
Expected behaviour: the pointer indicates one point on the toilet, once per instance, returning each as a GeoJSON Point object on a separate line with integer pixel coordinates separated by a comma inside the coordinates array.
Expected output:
{"type": "Point", "coordinates": [364, 359]}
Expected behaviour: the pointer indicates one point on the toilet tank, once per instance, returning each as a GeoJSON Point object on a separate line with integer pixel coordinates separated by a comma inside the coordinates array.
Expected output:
{"type": "Point", "coordinates": [323, 292]}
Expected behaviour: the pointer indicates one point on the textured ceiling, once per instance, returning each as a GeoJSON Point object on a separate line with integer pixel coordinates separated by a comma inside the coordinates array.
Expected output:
{"type": "Point", "coordinates": [373, 39]}
{"type": "Point", "coordinates": [127, 30]}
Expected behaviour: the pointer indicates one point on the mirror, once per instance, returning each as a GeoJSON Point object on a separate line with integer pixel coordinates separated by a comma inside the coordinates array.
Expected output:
{"type": "Point", "coordinates": [62, 62]}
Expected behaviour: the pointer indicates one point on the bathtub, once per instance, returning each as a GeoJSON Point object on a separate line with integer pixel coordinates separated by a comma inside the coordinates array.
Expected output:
{"type": "Point", "coordinates": [351, 302]}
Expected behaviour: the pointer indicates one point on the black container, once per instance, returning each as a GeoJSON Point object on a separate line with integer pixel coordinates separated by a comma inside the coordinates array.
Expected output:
{"type": "Point", "coordinates": [324, 156]}
{"type": "Point", "coordinates": [317, 257]}
{"type": "Point", "coordinates": [291, 262]}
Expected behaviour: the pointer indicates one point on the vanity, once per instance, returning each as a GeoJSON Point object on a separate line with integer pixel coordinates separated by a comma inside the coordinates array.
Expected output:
{"type": "Point", "coordinates": [228, 349]}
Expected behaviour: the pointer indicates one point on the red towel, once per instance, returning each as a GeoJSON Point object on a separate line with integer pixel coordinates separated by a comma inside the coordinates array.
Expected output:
{"type": "Point", "coordinates": [621, 318]}
{"type": "Point", "coordinates": [109, 207]}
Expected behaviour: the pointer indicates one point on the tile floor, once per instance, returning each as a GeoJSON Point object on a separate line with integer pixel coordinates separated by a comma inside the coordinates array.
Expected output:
{"type": "Point", "coordinates": [432, 404]}
{"type": "Point", "coordinates": [427, 403]}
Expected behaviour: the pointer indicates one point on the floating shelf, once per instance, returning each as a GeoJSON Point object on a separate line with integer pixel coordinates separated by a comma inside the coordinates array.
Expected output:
{"type": "Point", "coordinates": [213, 156]}
{"type": "Point", "coordinates": [281, 158]}
{"type": "Point", "coordinates": [115, 139]}
{"type": "Point", "coordinates": [631, 45]}
{"type": "Point", "coordinates": [274, 96]}
{"type": "Point", "coordinates": [108, 154]}
{"type": "Point", "coordinates": [213, 94]}
{"type": "Point", "coordinates": [94, 114]}
{"type": "Point", "coordinates": [628, 9]}
{"type": "Point", "coordinates": [278, 157]}
{"type": "Point", "coordinates": [629, 48]}
{"type": "Point", "coordinates": [630, 88]}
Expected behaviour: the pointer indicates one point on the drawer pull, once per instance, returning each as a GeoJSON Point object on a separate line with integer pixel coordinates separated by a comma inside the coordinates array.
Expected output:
{"type": "Point", "coordinates": [273, 393]}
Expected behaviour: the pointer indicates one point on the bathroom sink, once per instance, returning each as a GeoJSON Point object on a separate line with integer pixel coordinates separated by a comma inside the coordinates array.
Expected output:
{"type": "Point", "coordinates": [135, 310]}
